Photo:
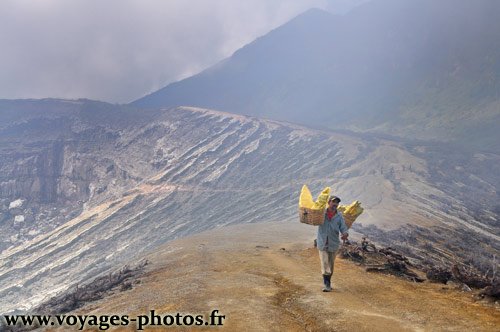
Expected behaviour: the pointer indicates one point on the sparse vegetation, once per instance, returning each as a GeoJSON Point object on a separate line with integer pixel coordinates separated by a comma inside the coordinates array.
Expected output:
{"type": "Point", "coordinates": [440, 246]}
{"type": "Point", "coordinates": [94, 290]}
{"type": "Point", "coordinates": [385, 260]}
{"type": "Point", "coordinates": [442, 254]}
{"type": "Point", "coordinates": [388, 260]}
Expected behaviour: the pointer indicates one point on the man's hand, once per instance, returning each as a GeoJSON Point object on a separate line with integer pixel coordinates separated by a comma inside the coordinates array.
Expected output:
{"type": "Point", "coordinates": [344, 236]}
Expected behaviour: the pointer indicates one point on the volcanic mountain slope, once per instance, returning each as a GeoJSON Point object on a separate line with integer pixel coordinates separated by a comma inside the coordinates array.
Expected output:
{"type": "Point", "coordinates": [419, 68]}
{"type": "Point", "coordinates": [135, 179]}
{"type": "Point", "coordinates": [266, 277]}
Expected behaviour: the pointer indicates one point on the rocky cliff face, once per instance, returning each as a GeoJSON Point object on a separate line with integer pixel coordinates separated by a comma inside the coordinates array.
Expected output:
{"type": "Point", "coordinates": [85, 185]}
{"type": "Point", "coordinates": [58, 158]}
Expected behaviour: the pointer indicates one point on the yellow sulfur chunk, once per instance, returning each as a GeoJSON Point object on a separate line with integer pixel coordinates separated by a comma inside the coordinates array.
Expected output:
{"type": "Point", "coordinates": [305, 199]}
{"type": "Point", "coordinates": [320, 203]}
{"type": "Point", "coordinates": [354, 210]}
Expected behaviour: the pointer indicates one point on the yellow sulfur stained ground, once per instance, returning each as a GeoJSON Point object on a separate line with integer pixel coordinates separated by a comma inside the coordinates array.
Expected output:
{"type": "Point", "coordinates": [266, 277]}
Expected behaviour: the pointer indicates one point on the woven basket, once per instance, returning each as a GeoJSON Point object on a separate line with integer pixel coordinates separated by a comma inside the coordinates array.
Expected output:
{"type": "Point", "coordinates": [311, 217]}
{"type": "Point", "coordinates": [349, 220]}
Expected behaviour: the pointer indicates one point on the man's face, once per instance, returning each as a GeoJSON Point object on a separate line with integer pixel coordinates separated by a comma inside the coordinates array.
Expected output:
{"type": "Point", "coordinates": [333, 204]}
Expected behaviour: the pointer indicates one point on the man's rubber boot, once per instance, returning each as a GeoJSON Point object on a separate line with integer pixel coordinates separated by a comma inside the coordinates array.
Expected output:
{"type": "Point", "coordinates": [326, 281]}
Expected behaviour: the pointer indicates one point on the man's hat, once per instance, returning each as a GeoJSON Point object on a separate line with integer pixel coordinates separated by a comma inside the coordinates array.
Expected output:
{"type": "Point", "coordinates": [333, 198]}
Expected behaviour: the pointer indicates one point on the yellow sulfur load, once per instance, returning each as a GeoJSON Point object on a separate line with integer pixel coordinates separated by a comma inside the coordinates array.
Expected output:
{"type": "Point", "coordinates": [306, 199]}
{"type": "Point", "coordinates": [354, 210]}
{"type": "Point", "coordinates": [320, 203]}
{"type": "Point", "coordinates": [312, 213]}
{"type": "Point", "coordinates": [351, 212]}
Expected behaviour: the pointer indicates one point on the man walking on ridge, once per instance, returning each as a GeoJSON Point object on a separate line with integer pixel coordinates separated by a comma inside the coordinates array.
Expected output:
{"type": "Point", "coordinates": [328, 239]}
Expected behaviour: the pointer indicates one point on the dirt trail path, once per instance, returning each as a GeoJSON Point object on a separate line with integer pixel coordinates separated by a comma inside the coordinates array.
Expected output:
{"type": "Point", "coordinates": [266, 277]}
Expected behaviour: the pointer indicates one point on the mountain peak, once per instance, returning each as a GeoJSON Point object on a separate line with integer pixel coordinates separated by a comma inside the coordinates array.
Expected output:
{"type": "Point", "coordinates": [404, 68]}
{"type": "Point", "coordinates": [315, 13]}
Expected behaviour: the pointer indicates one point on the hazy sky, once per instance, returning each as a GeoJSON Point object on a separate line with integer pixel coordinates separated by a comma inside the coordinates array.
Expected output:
{"type": "Point", "coordinates": [120, 50]}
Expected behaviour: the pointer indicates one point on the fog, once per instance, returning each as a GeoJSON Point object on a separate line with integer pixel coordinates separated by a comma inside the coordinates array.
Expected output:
{"type": "Point", "coordinates": [118, 51]}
